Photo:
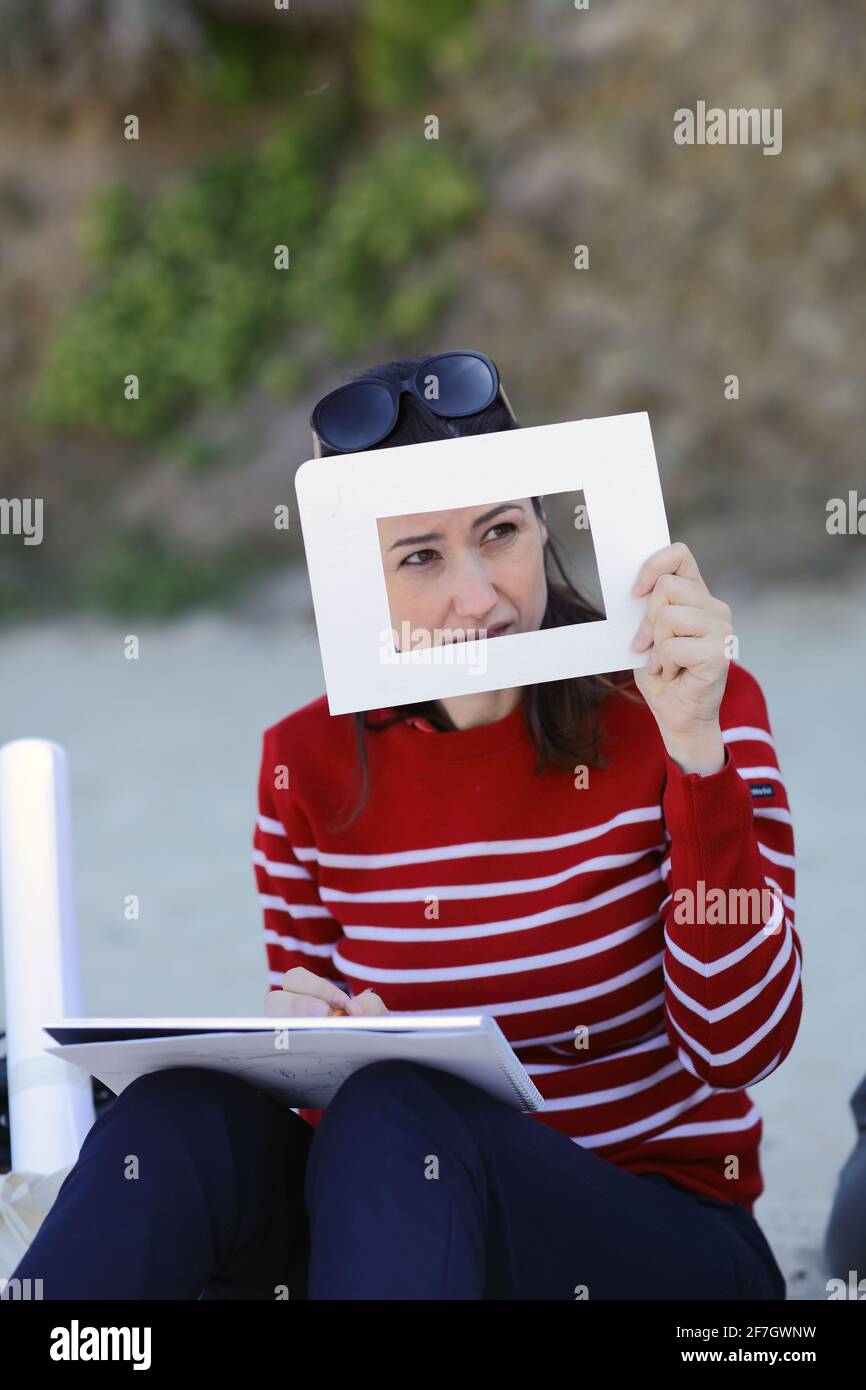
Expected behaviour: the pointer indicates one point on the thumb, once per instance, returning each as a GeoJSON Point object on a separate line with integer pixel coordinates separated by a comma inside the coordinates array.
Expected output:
{"type": "Point", "coordinates": [371, 1002]}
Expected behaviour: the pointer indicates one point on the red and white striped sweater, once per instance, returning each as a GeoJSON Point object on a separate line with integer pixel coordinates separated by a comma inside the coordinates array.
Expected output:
{"type": "Point", "coordinates": [557, 914]}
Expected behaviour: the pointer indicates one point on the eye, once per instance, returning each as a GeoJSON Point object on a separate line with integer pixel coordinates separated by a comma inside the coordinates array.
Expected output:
{"type": "Point", "coordinates": [510, 528]}
{"type": "Point", "coordinates": [420, 564]}
{"type": "Point", "coordinates": [413, 562]}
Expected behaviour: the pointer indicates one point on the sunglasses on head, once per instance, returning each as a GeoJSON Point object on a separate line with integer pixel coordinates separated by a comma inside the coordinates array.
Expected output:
{"type": "Point", "coordinates": [363, 412]}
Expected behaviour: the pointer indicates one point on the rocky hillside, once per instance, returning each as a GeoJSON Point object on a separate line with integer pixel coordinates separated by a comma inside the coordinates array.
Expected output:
{"type": "Point", "coordinates": [307, 127]}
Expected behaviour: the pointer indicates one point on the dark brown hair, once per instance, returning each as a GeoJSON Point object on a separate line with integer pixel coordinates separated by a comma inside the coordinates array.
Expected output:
{"type": "Point", "coordinates": [561, 715]}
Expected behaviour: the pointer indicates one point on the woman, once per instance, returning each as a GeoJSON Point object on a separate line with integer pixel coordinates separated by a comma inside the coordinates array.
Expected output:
{"type": "Point", "coordinates": [580, 859]}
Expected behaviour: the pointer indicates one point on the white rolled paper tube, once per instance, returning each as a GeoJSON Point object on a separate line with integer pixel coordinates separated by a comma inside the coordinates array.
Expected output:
{"type": "Point", "coordinates": [50, 1101]}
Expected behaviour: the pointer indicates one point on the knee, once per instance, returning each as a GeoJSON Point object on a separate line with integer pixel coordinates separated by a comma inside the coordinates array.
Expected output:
{"type": "Point", "coordinates": [388, 1075]}
{"type": "Point", "coordinates": [392, 1082]}
{"type": "Point", "coordinates": [361, 1094]}
{"type": "Point", "coordinates": [180, 1094]}
{"type": "Point", "coordinates": [389, 1118]}
{"type": "Point", "coordinates": [395, 1096]}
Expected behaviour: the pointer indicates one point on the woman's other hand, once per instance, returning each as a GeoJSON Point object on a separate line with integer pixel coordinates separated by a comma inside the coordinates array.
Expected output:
{"type": "Point", "coordinates": [306, 995]}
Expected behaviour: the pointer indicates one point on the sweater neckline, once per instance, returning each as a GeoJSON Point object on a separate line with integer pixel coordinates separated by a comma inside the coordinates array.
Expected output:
{"type": "Point", "coordinates": [460, 745]}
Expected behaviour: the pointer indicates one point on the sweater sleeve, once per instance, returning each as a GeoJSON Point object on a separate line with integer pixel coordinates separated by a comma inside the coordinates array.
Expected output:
{"type": "Point", "coordinates": [732, 957]}
{"type": "Point", "coordinates": [298, 928]}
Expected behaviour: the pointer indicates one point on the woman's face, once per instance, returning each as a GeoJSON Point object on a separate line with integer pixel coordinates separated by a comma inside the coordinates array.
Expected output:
{"type": "Point", "coordinates": [465, 569]}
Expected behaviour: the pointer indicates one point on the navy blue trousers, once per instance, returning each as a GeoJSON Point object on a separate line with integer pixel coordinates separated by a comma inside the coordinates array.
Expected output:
{"type": "Point", "coordinates": [416, 1185]}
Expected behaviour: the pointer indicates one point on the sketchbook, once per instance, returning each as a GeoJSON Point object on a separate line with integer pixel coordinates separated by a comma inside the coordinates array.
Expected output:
{"type": "Point", "coordinates": [302, 1062]}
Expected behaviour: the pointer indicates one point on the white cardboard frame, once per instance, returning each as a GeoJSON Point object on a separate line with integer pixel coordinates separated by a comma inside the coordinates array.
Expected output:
{"type": "Point", "coordinates": [611, 459]}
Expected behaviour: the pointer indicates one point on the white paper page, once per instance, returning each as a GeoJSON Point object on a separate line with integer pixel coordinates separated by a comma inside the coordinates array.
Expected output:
{"type": "Point", "coordinates": [310, 1070]}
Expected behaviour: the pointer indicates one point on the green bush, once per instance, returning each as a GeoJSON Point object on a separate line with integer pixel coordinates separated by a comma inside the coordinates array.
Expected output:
{"type": "Point", "coordinates": [184, 294]}
{"type": "Point", "coordinates": [243, 63]}
{"type": "Point", "coordinates": [403, 48]}
{"type": "Point", "coordinates": [188, 297]}
{"type": "Point", "coordinates": [139, 574]}
{"type": "Point", "coordinates": [391, 215]}
{"type": "Point", "coordinates": [113, 225]}
{"type": "Point", "coordinates": [192, 453]}
{"type": "Point", "coordinates": [281, 377]}
{"type": "Point", "coordinates": [187, 294]}
{"type": "Point", "coordinates": [416, 304]}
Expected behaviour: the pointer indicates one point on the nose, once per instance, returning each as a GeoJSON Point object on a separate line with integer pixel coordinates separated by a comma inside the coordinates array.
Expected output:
{"type": "Point", "coordinates": [473, 595]}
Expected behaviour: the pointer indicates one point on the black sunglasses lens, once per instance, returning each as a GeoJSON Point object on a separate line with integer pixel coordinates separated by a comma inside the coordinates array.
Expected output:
{"type": "Point", "coordinates": [356, 416]}
{"type": "Point", "coordinates": [457, 385]}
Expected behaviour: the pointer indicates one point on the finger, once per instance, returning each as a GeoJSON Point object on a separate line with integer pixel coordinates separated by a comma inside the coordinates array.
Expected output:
{"type": "Point", "coordinates": [669, 590]}
{"type": "Point", "coordinates": [715, 634]}
{"type": "Point", "coordinates": [699, 655]}
{"type": "Point", "coordinates": [675, 622]}
{"type": "Point", "coordinates": [678, 620]}
{"type": "Point", "coordinates": [299, 980]}
{"type": "Point", "coordinates": [671, 559]}
{"type": "Point", "coordinates": [284, 1004]}
{"type": "Point", "coordinates": [371, 1002]}
{"type": "Point", "coordinates": [661, 666]}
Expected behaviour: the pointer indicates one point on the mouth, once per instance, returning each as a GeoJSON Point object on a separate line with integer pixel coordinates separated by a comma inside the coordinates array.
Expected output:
{"type": "Point", "coordinates": [483, 633]}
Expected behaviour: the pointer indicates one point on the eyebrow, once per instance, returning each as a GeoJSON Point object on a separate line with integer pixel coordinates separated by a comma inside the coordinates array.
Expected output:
{"type": "Point", "coordinates": [438, 536]}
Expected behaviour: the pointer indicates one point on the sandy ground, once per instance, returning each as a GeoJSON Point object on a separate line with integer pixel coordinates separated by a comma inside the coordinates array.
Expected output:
{"type": "Point", "coordinates": [163, 757]}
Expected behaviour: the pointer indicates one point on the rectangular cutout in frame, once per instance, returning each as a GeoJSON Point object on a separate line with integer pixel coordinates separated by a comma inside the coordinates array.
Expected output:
{"type": "Point", "coordinates": [355, 507]}
{"type": "Point", "coordinates": [471, 572]}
